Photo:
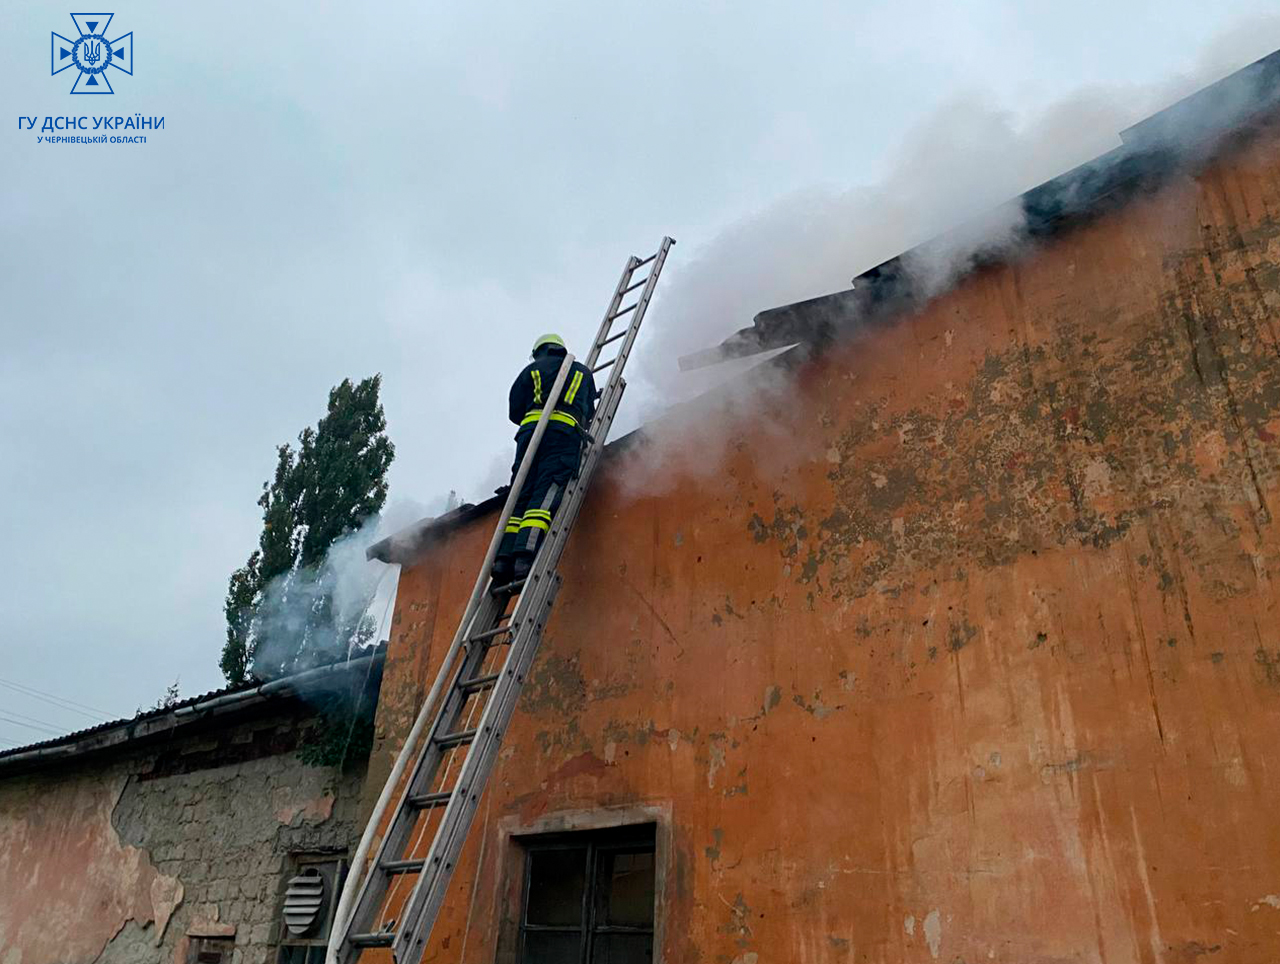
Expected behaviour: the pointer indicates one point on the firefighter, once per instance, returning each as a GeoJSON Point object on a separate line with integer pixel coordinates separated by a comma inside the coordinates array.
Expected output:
{"type": "Point", "coordinates": [556, 461]}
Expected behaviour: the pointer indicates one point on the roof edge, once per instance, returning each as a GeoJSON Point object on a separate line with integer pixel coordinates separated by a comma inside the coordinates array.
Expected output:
{"type": "Point", "coordinates": [165, 722]}
{"type": "Point", "coordinates": [412, 542]}
{"type": "Point", "coordinates": [1187, 133]}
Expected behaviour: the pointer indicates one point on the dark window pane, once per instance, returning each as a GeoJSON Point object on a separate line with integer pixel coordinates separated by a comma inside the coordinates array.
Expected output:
{"type": "Point", "coordinates": [556, 881]}
{"type": "Point", "coordinates": [316, 955]}
{"type": "Point", "coordinates": [626, 882]}
{"type": "Point", "coordinates": [544, 948]}
{"type": "Point", "coordinates": [622, 949]}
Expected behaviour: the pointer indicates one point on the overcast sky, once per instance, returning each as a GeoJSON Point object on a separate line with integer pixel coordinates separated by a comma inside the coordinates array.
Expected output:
{"type": "Point", "coordinates": [418, 193]}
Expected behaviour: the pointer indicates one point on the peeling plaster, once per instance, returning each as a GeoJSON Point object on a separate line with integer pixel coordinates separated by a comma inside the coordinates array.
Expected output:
{"type": "Point", "coordinates": [166, 895]}
{"type": "Point", "coordinates": [933, 932]}
{"type": "Point", "coordinates": [314, 810]}
{"type": "Point", "coordinates": [44, 911]}
{"type": "Point", "coordinates": [992, 548]}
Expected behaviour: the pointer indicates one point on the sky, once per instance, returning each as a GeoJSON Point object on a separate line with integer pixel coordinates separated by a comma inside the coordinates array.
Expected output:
{"type": "Point", "coordinates": [421, 190]}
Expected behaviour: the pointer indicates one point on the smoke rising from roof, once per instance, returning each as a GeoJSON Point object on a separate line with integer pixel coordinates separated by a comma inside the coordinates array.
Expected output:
{"type": "Point", "coordinates": [955, 178]}
{"type": "Point", "coordinates": [952, 193]}
{"type": "Point", "coordinates": [359, 592]}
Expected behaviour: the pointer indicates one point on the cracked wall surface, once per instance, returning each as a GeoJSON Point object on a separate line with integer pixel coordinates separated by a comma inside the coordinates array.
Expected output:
{"type": "Point", "coordinates": [124, 861]}
{"type": "Point", "coordinates": [960, 644]}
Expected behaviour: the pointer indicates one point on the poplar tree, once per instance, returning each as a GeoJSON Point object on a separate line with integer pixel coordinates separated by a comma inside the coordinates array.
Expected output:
{"type": "Point", "coordinates": [279, 610]}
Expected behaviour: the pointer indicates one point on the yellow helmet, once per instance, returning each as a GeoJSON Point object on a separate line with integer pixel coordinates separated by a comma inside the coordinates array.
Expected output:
{"type": "Point", "coordinates": [548, 339]}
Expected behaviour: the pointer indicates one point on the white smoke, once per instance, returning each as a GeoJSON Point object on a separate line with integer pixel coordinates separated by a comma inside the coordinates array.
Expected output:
{"type": "Point", "coordinates": [359, 591]}
{"type": "Point", "coordinates": [955, 171]}
{"type": "Point", "coordinates": [953, 182]}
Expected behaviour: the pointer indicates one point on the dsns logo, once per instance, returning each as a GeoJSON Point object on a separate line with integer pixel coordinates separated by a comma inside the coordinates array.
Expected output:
{"type": "Point", "coordinates": [91, 54]}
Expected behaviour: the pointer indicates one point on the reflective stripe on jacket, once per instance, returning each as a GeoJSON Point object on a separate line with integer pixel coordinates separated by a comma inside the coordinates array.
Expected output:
{"type": "Point", "coordinates": [527, 398]}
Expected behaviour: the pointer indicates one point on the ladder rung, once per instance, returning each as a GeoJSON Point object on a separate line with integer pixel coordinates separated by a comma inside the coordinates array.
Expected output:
{"type": "Point", "coordinates": [509, 587]}
{"type": "Point", "coordinates": [373, 940]}
{"type": "Point", "coordinates": [456, 796]}
{"type": "Point", "coordinates": [426, 801]}
{"type": "Point", "coordinates": [455, 739]}
{"type": "Point", "coordinates": [490, 633]}
{"type": "Point", "coordinates": [478, 683]}
{"type": "Point", "coordinates": [403, 866]}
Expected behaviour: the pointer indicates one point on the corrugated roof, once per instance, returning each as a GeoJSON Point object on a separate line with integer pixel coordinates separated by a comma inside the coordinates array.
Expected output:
{"type": "Point", "coordinates": [111, 724]}
{"type": "Point", "coordinates": [159, 721]}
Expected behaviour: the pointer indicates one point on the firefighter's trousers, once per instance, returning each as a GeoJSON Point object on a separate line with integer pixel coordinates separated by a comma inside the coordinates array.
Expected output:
{"type": "Point", "coordinates": [554, 466]}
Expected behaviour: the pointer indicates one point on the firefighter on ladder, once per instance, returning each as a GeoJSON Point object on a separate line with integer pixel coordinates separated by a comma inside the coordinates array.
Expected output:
{"type": "Point", "coordinates": [558, 456]}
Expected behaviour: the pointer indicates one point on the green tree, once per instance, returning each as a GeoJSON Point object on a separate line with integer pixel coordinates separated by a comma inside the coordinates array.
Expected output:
{"type": "Point", "coordinates": [280, 610]}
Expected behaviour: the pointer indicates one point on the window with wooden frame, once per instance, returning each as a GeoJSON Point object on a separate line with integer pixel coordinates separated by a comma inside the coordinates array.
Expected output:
{"type": "Point", "coordinates": [589, 897]}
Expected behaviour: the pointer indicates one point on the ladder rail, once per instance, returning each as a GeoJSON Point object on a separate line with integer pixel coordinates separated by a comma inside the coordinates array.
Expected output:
{"type": "Point", "coordinates": [633, 329]}
{"type": "Point", "coordinates": [440, 733]}
{"type": "Point", "coordinates": [641, 305]}
{"type": "Point", "coordinates": [610, 312]}
{"type": "Point", "coordinates": [346, 911]}
{"type": "Point", "coordinates": [420, 912]}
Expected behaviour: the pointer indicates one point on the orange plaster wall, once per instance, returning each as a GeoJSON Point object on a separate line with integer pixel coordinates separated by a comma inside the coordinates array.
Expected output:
{"type": "Point", "coordinates": [69, 883]}
{"type": "Point", "coordinates": [965, 647]}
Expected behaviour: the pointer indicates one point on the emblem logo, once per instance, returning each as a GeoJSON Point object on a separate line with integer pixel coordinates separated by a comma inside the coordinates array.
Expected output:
{"type": "Point", "coordinates": [91, 53]}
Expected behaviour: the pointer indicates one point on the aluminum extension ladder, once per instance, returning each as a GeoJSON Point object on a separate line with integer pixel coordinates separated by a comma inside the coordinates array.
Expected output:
{"type": "Point", "coordinates": [397, 896]}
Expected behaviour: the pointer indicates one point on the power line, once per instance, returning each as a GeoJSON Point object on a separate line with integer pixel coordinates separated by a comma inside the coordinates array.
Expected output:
{"type": "Point", "coordinates": [30, 726]}
{"type": "Point", "coordinates": [59, 701]}
{"type": "Point", "coordinates": [24, 688]}
{"type": "Point", "coordinates": [34, 719]}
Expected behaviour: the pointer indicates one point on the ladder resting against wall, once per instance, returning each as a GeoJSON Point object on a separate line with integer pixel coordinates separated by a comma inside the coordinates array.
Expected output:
{"type": "Point", "coordinates": [392, 900]}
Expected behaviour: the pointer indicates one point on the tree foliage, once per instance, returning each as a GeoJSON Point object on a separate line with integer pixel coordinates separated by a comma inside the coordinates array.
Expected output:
{"type": "Point", "coordinates": [280, 611]}
{"type": "Point", "coordinates": [343, 731]}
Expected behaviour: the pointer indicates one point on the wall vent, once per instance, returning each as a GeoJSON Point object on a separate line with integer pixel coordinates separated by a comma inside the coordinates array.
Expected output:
{"type": "Point", "coordinates": [304, 901]}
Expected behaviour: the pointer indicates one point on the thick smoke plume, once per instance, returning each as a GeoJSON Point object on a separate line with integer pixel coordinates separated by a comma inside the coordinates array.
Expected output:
{"type": "Point", "coordinates": [956, 195]}
{"type": "Point", "coordinates": [952, 194]}
{"type": "Point", "coordinates": [955, 178]}
{"type": "Point", "coordinates": [313, 616]}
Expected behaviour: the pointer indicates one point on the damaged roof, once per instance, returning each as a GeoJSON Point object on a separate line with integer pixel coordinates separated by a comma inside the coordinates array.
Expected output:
{"type": "Point", "coordinates": [1151, 151]}
{"type": "Point", "coordinates": [1171, 141]}
{"type": "Point", "coordinates": [410, 543]}
{"type": "Point", "coordinates": [165, 720]}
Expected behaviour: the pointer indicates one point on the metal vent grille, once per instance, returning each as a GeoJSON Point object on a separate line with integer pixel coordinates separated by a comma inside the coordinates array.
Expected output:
{"type": "Point", "coordinates": [303, 902]}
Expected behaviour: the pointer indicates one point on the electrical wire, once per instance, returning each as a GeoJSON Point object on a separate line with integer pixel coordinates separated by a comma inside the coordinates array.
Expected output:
{"type": "Point", "coordinates": [30, 726]}
{"type": "Point", "coordinates": [60, 701]}
{"type": "Point", "coordinates": [36, 719]}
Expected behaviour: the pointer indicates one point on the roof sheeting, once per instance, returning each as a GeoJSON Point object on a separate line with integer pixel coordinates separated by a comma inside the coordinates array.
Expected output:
{"type": "Point", "coordinates": [163, 721]}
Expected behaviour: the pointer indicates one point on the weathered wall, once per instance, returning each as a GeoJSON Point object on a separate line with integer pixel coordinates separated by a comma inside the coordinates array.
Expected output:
{"type": "Point", "coordinates": [967, 650]}
{"type": "Point", "coordinates": [121, 862]}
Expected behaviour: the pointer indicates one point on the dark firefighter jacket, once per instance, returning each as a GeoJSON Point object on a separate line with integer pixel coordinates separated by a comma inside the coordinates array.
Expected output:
{"type": "Point", "coordinates": [528, 395]}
